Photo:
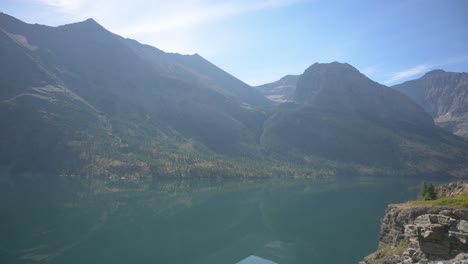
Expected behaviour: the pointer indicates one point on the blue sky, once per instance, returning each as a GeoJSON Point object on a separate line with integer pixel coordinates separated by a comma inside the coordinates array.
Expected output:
{"type": "Point", "coordinates": [260, 41]}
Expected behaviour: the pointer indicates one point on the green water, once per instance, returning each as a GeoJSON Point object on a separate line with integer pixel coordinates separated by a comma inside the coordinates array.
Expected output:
{"type": "Point", "coordinates": [63, 220]}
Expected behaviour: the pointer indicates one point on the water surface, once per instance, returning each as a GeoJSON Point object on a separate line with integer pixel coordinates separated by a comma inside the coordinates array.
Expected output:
{"type": "Point", "coordinates": [69, 220]}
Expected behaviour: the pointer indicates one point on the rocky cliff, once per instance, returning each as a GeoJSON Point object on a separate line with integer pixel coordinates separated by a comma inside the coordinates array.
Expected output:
{"type": "Point", "coordinates": [424, 232]}
{"type": "Point", "coordinates": [444, 95]}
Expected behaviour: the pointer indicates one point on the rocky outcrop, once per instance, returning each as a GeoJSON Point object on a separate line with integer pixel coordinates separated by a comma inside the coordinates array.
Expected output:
{"type": "Point", "coordinates": [413, 233]}
{"type": "Point", "coordinates": [452, 189]}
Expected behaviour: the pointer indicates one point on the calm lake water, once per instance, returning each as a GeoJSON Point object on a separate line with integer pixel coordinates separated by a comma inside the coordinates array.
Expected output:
{"type": "Point", "coordinates": [65, 220]}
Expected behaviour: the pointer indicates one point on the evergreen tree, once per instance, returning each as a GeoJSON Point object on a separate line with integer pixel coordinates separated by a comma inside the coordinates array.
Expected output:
{"type": "Point", "coordinates": [428, 192]}
{"type": "Point", "coordinates": [423, 190]}
{"type": "Point", "coordinates": [431, 191]}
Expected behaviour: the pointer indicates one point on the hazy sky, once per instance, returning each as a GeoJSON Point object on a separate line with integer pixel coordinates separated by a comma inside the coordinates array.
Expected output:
{"type": "Point", "coordinates": [260, 41]}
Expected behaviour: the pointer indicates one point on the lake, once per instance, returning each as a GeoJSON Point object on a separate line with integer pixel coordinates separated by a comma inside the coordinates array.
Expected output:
{"type": "Point", "coordinates": [73, 220]}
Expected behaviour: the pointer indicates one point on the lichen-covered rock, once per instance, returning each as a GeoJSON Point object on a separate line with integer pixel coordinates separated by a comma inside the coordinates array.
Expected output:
{"type": "Point", "coordinates": [421, 234]}
{"type": "Point", "coordinates": [424, 234]}
{"type": "Point", "coordinates": [452, 189]}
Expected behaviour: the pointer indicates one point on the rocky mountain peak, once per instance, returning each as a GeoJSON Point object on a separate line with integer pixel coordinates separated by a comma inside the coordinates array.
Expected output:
{"type": "Point", "coordinates": [444, 95]}
{"type": "Point", "coordinates": [89, 25]}
{"type": "Point", "coordinates": [322, 78]}
{"type": "Point", "coordinates": [90, 20]}
{"type": "Point", "coordinates": [280, 91]}
{"type": "Point", "coordinates": [289, 79]}
{"type": "Point", "coordinates": [332, 67]}
{"type": "Point", "coordinates": [341, 87]}
{"type": "Point", "coordinates": [434, 73]}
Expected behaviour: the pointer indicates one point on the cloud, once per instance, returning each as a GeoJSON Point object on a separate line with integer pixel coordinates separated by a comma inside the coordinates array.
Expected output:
{"type": "Point", "coordinates": [402, 75]}
{"type": "Point", "coordinates": [160, 15]}
{"type": "Point", "coordinates": [200, 13]}
{"type": "Point", "coordinates": [176, 26]}
{"type": "Point", "coordinates": [398, 76]}
{"type": "Point", "coordinates": [63, 5]}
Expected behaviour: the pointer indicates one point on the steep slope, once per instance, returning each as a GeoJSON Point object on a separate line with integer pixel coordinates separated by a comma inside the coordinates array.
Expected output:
{"type": "Point", "coordinates": [444, 95]}
{"type": "Point", "coordinates": [345, 117]}
{"type": "Point", "coordinates": [280, 91]}
{"type": "Point", "coordinates": [145, 114]}
{"type": "Point", "coordinates": [35, 109]}
{"type": "Point", "coordinates": [197, 68]}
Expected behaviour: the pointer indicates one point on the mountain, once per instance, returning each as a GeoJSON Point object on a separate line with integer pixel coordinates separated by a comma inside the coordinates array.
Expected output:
{"type": "Point", "coordinates": [79, 96]}
{"type": "Point", "coordinates": [444, 95]}
{"type": "Point", "coordinates": [342, 87]}
{"type": "Point", "coordinates": [196, 68]}
{"type": "Point", "coordinates": [78, 99]}
{"type": "Point", "coordinates": [345, 117]}
{"type": "Point", "coordinates": [280, 91]}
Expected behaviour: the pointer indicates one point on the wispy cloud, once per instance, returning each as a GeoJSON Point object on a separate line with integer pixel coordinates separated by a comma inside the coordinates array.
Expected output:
{"type": "Point", "coordinates": [63, 5]}
{"type": "Point", "coordinates": [161, 15]}
{"type": "Point", "coordinates": [200, 13]}
{"type": "Point", "coordinates": [398, 76]}
{"type": "Point", "coordinates": [411, 72]}
{"type": "Point", "coordinates": [175, 26]}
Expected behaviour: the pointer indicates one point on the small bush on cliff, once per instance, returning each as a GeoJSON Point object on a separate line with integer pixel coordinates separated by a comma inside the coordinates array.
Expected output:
{"type": "Point", "coordinates": [428, 192]}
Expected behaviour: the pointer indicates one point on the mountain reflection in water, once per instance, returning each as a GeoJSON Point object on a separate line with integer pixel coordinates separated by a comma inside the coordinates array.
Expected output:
{"type": "Point", "coordinates": [73, 220]}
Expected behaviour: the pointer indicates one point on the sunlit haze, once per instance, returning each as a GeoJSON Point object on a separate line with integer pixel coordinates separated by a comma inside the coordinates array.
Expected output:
{"type": "Point", "coordinates": [260, 41]}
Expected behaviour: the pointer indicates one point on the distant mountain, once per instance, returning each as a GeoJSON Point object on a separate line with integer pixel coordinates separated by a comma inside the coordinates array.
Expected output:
{"type": "Point", "coordinates": [78, 99]}
{"type": "Point", "coordinates": [345, 117]}
{"type": "Point", "coordinates": [342, 87]}
{"type": "Point", "coordinates": [444, 95]}
{"type": "Point", "coordinates": [280, 91]}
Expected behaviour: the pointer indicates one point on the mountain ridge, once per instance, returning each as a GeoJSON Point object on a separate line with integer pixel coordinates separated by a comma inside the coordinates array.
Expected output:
{"type": "Point", "coordinates": [354, 91]}
{"type": "Point", "coordinates": [444, 95]}
{"type": "Point", "coordinates": [79, 99]}
{"type": "Point", "coordinates": [344, 116]}
{"type": "Point", "coordinates": [95, 65]}
{"type": "Point", "coordinates": [280, 91]}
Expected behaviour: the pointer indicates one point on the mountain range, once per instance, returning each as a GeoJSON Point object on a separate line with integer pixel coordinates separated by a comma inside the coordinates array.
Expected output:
{"type": "Point", "coordinates": [78, 99]}
{"type": "Point", "coordinates": [443, 95]}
